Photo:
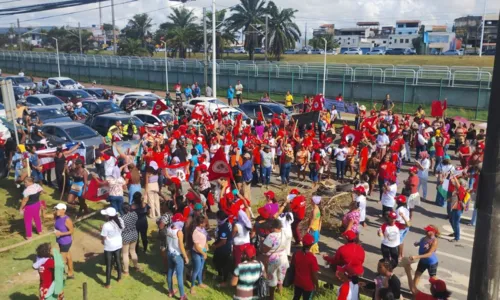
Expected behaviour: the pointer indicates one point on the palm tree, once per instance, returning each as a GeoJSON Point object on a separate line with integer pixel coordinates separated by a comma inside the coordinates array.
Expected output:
{"type": "Point", "coordinates": [131, 47]}
{"type": "Point", "coordinates": [249, 15]}
{"type": "Point", "coordinates": [283, 33]}
{"type": "Point", "coordinates": [181, 32]}
{"type": "Point", "coordinates": [225, 35]}
{"type": "Point", "coordinates": [138, 28]}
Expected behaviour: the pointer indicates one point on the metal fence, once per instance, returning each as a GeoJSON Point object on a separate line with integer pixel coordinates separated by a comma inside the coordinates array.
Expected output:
{"type": "Point", "coordinates": [467, 87]}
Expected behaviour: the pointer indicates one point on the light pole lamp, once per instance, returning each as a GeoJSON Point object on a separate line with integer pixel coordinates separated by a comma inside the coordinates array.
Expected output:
{"type": "Point", "coordinates": [166, 66]}
{"type": "Point", "coordinates": [57, 50]}
{"type": "Point", "coordinates": [324, 68]}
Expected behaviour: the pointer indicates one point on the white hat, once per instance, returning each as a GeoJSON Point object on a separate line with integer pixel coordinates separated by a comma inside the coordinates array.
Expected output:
{"type": "Point", "coordinates": [144, 103]}
{"type": "Point", "coordinates": [79, 104]}
{"type": "Point", "coordinates": [153, 165]}
{"type": "Point", "coordinates": [199, 138]}
{"type": "Point", "coordinates": [362, 107]}
{"type": "Point", "coordinates": [247, 155]}
{"type": "Point", "coordinates": [110, 211]}
{"type": "Point", "coordinates": [60, 206]}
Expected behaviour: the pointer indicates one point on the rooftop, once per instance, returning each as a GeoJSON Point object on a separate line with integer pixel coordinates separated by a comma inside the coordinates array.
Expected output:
{"type": "Point", "coordinates": [408, 21]}
{"type": "Point", "coordinates": [368, 23]}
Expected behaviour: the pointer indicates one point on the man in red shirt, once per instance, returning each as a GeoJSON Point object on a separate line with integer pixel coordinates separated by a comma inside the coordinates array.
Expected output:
{"type": "Point", "coordinates": [306, 270]}
{"type": "Point", "coordinates": [352, 253]}
{"type": "Point", "coordinates": [298, 207]}
{"type": "Point", "coordinates": [438, 287]}
{"type": "Point", "coordinates": [386, 171]}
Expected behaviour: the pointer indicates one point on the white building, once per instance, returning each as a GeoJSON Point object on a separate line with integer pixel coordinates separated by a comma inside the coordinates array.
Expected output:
{"type": "Point", "coordinates": [404, 32]}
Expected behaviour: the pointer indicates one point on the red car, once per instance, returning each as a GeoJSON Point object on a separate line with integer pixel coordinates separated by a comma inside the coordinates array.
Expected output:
{"type": "Point", "coordinates": [73, 96]}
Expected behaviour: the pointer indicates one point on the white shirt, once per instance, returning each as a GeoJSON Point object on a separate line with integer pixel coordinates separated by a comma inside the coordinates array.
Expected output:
{"type": "Point", "coordinates": [388, 196]}
{"type": "Point", "coordinates": [286, 225]}
{"type": "Point", "coordinates": [113, 235]}
{"type": "Point", "coordinates": [243, 235]}
{"type": "Point", "coordinates": [424, 174]}
{"type": "Point", "coordinates": [391, 235]}
{"type": "Point", "coordinates": [239, 89]}
{"type": "Point", "coordinates": [109, 165]}
{"type": "Point", "coordinates": [208, 91]}
{"type": "Point", "coordinates": [362, 207]}
{"type": "Point", "coordinates": [405, 212]}
{"type": "Point", "coordinates": [382, 140]}
{"type": "Point", "coordinates": [333, 115]}
{"type": "Point", "coordinates": [340, 153]}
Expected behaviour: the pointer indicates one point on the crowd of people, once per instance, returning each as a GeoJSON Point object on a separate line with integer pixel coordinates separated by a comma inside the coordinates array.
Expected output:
{"type": "Point", "coordinates": [202, 168]}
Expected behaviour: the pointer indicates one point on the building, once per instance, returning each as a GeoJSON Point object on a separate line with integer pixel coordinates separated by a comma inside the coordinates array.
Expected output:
{"type": "Point", "coordinates": [352, 37]}
{"type": "Point", "coordinates": [404, 33]}
{"type": "Point", "coordinates": [323, 30]}
{"type": "Point", "coordinates": [439, 42]}
{"type": "Point", "coordinates": [29, 35]}
{"type": "Point", "coordinates": [407, 27]}
{"type": "Point", "coordinates": [468, 30]}
{"type": "Point", "coordinates": [490, 31]}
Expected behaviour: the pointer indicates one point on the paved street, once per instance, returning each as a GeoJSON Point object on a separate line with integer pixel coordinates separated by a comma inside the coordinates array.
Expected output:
{"type": "Point", "coordinates": [454, 258]}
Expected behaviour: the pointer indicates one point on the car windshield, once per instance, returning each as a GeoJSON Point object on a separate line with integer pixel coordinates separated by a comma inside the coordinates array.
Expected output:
{"type": "Point", "coordinates": [1, 106]}
{"type": "Point", "coordinates": [67, 82]}
{"type": "Point", "coordinates": [136, 120]}
{"type": "Point", "coordinates": [217, 101]}
{"type": "Point", "coordinates": [108, 107]}
{"type": "Point", "coordinates": [80, 132]}
{"type": "Point", "coordinates": [166, 117]}
{"type": "Point", "coordinates": [278, 109]}
{"type": "Point", "coordinates": [80, 94]}
{"type": "Point", "coordinates": [18, 90]}
{"type": "Point", "coordinates": [52, 101]}
{"type": "Point", "coordinates": [45, 114]}
{"type": "Point", "coordinates": [22, 80]}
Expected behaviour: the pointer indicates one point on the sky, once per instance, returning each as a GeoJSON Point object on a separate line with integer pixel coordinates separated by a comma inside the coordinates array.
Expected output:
{"type": "Point", "coordinates": [342, 13]}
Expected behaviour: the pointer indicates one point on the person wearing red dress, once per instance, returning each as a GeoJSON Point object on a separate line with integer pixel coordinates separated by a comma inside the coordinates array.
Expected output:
{"type": "Point", "coordinates": [45, 265]}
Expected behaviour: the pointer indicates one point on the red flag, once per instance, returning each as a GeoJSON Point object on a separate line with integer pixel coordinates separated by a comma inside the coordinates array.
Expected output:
{"type": "Point", "coordinates": [198, 112]}
{"type": "Point", "coordinates": [179, 170]}
{"type": "Point", "coordinates": [237, 126]}
{"type": "Point", "coordinates": [260, 117]}
{"type": "Point", "coordinates": [349, 134]}
{"type": "Point", "coordinates": [445, 105]}
{"type": "Point", "coordinates": [370, 123]}
{"type": "Point", "coordinates": [394, 130]}
{"type": "Point", "coordinates": [363, 160]}
{"type": "Point", "coordinates": [317, 104]}
{"type": "Point", "coordinates": [95, 192]}
{"type": "Point", "coordinates": [219, 166]}
{"type": "Point", "coordinates": [219, 114]}
{"type": "Point", "coordinates": [437, 109]}
{"type": "Point", "coordinates": [158, 107]}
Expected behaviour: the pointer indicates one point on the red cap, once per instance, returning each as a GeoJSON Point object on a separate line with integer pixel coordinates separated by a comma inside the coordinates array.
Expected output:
{"type": "Point", "coordinates": [191, 196]}
{"type": "Point", "coordinates": [347, 270]}
{"type": "Point", "coordinates": [413, 170]}
{"type": "Point", "coordinates": [203, 167]}
{"type": "Point", "coordinates": [295, 192]}
{"type": "Point", "coordinates": [392, 215]}
{"type": "Point", "coordinates": [401, 199]}
{"type": "Point", "coordinates": [269, 194]}
{"type": "Point", "coordinates": [178, 217]}
{"type": "Point", "coordinates": [176, 181]}
{"type": "Point", "coordinates": [438, 285]}
{"type": "Point", "coordinates": [360, 189]}
{"type": "Point", "coordinates": [307, 240]}
{"type": "Point", "coordinates": [349, 235]}
{"type": "Point", "coordinates": [431, 229]}
{"type": "Point", "coordinates": [262, 211]}
{"type": "Point", "coordinates": [343, 143]}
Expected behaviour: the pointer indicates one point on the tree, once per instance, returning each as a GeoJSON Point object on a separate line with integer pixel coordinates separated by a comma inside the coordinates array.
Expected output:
{"type": "Point", "coordinates": [318, 43]}
{"type": "Point", "coordinates": [249, 15]}
{"type": "Point", "coordinates": [181, 32]}
{"type": "Point", "coordinates": [107, 27]}
{"type": "Point", "coordinates": [131, 47]}
{"type": "Point", "coordinates": [138, 28]}
{"type": "Point", "coordinates": [225, 35]}
{"type": "Point", "coordinates": [282, 32]}
{"type": "Point", "coordinates": [68, 40]}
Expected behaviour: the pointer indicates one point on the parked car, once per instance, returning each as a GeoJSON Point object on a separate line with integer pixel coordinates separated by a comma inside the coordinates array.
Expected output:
{"type": "Point", "coordinates": [451, 53]}
{"type": "Point", "coordinates": [64, 83]}
{"type": "Point", "coordinates": [490, 52]}
{"type": "Point", "coordinates": [18, 93]}
{"type": "Point", "coordinates": [97, 92]}
{"type": "Point", "coordinates": [45, 100]}
{"type": "Point", "coordinates": [150, 101]}
{"type": "Point", "coordinates": [399, 51]}
{"type": "Point", "coordinates": [290, 51]}
{"type": "Point", "coordinates": [252, 108]}
{"type": "Point", "coordinates": [353, 51]}
{"type": "Point", "coordinates": [148, 118]}
{"type": "Point", "coordinates": [317, 51]}
{"type": "Point", "coordinates": [239, 50]}
{"type": "Point", "coordinates": [64, 132]}
{"type": "Point", "coordinates": [137, 94]}
{"type": "Point", "coordinates": [211, 104]}
{"type": "Point", "coordinates": [102, 122]}
{"type": "Point", "coordinates": [304, 51]}
{"type": "Point", "coordinates": [22, 81]}
{"type": "Point", "coordinates": [73, 96]}
{"type": "Point", "coordinates": [101, 106]}
{"type": "Point", "coordinates": [332, 52]}
{"type": "Point", "coordinates": [259, 51]}
{"type": "Point", "coordinates": [376, 52]}
{"type": "Point", "coordinates": [50, 114]}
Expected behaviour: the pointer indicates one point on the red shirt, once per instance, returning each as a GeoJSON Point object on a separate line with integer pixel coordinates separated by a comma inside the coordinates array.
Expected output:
{"type": "Point", "coordinates": [423, 296]}
{"type": "Point", "coordinates": [256, 156]}
{"type": "Point", "coordinates": [46, 272]}
{"type": "Point", "coordinates": [386, 170]}
{"type": "Point", "coordinates": [414, 183]}
{"type": "Point", "coordinates": [439, 149]}
{"type": "Point", "coordinates": [305, 265]}
{"type": "Point", "coordinates": [298, 207]}
{"type": "Point", "coordinates": [349, 254]}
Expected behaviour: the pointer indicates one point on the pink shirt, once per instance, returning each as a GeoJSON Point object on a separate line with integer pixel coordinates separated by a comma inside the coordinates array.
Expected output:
{"type": "Point", "coordinates": [199, 238]}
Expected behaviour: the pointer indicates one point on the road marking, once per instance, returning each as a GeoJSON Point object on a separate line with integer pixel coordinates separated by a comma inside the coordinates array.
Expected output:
{"type": "Point", "coordinates": [449, 238]}
{"type": "Point", "coordinates": [462, 233]}
{"type": "Point", "coordinates": [454, 256]}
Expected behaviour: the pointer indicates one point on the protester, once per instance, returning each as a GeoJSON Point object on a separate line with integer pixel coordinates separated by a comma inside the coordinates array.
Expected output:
{"type": "Point", "coordinates": [403, 220]}
{"type": "Point", "coordinates": [386, 279]}
{"type": "Point", "coordinates": [427, 247]}
{"type": "Point", "coordinates": [142, 209]}
{"type": "Point", "coordinates": [411, 185]}
{"type": "Point", "coordinates": [423, 165]}
{"type": "Point", "coordinates": [78, 185]}
{"type": "Point", "coordinates": [177, 256]}
{"type": "Point", "coordinates": [246, 274]}
{"type": "Point", "coordinates": [222, 247]}
{"type": "Point", "coordinates": [350, 221]}
{"type": "Point", "coordinates": [352, 253]}
{"type": "Point", "coordinates": [315, 223]}
{"type": "Point", "coordinates": [306, 270]}
{"type": "Point", "coordinates": [129, 238]}
{"type": "Point", "coordinates": [64, 236]}
{"type": "Point", "coordinates": [275, 249]}
{"type": "Point", "coordinates": [111, 234]}
{"type": "Point", "coordinates": [151, 188]}
{"type": "Point", "coordinates": [199, 253]}
{"type": "Point", "coordinates": [30, 207]}
{"type": "Point", "coordinates": [390, 232]}
{"type": "Point", "coordinates": [50, 267]}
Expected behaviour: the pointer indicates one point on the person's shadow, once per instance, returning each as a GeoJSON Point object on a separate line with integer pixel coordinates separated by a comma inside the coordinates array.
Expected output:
{"type": "Point", "coordinates": [20, 296]}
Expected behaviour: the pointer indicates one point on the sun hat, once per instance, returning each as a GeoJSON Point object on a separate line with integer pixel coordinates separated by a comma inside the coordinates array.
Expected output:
{"type": "Point", "coordinates": [60, 206]}
{"type": "Point", "coordinates": [110, 211]}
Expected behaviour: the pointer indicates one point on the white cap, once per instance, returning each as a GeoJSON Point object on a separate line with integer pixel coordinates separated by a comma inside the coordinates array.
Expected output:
{"type": "Point", "coordinates": [79, 104]}
{"type": "Point", "coordinates": [110, 211]}
{"type": "Point", "coordinates": [153, 165]}
{"type": "Point", "coordinates": [60, 206]}
{"type": "Point", "coordinates": [199, 138]}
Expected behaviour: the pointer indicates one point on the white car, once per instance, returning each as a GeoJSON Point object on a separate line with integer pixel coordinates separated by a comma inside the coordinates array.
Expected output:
{"type": "Point", "coordinates": [376, 52]}
{"type": "Point", "coordinates": [239, 50]}
{"type": "Point", "coordinates": [353, 51]}
{"type": "Point", "coordinates": [66, 83]}
{"type": "Point", "coordinates": [211, 104]}
{"type": "Point", "coordinates": [147, 117]}
{"type": "Point", "coordinates": [137, 93]}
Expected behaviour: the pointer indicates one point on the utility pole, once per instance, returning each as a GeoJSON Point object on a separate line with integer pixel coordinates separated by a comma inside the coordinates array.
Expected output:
{"type": "Point", "coordinates": [80, 38]}
{"type": "Point", "coordinates": [214, 51]}
{"type": "Point", "coordinates": [305, 37]}
{"type": "Point", "coordinates": [205, 46]}
{"type": "Point", "coordinates": [484, 278]}
{"type": "Point", "coordinates": [114, 31]}
{"type": "Point", "coordinates": [266, 44]}
{"type": "Point", "coordinates": [100, 23]}
{"type": "Point", "coordinates": [19, 36]}
{"type": "Point", "coordinates": [482, 29]}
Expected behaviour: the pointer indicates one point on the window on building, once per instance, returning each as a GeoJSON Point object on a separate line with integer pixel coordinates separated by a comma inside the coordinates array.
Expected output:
{"type": "Point", "coordinates": [407, 41]}
{"type": "Point", "coordinates": [390, 37]}
{"type": "Point", "coordinates": [390, 43]}
{"type": "Point", "coordinates": [401, 41]}
{"type": "Point", "coordinates": [400, 32]}
{"type": "Point", "coordinates": [385, 42]}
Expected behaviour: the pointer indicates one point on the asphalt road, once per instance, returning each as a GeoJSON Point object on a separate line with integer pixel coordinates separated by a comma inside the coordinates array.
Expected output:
{"type": "Point", "coordinates": [454, 258]}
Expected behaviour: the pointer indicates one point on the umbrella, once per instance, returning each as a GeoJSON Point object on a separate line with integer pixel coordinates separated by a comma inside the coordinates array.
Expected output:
{"type": "Point", "coordinates": [482, 126]}
{"type": "Point", "coordinates": [461, 119]}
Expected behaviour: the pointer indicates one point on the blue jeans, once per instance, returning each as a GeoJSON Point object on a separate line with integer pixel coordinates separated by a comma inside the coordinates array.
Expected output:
{"type": "Point", "coordinates": [439, 160]}
{"type": "Point", "coordinates": [265, 175]}
{"type": "Point", "coordinates": [132, 189]}
{"type": "Point", "coordinates": [455, 216]}
{"type": "Point", "coordinates": [116, 202]}
{"type": "Point", "coordinates": [198, 264]}
{"type": "Point", "coordinates": [340, 168]}
{"type": "Point", "coordinates": [175, 263]}
{"type": "Point", "coordinates": [285, 173]}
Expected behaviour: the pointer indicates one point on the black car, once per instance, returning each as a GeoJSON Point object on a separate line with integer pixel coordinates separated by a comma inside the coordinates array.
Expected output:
{"type": "Point", "coordinates": [100, 106]}
{"type": "Point", "coordinates": [18, 93]}
{"type": "Point", "coordinates": [150, 101]}
{"type": "Point", "coordinates": [44, 100]}
{"type": "Point", "coordinates": [490, 51]}
{"type": "Point", "coordinates": [97, 92]}
{"type": "Point", "coordinates": [399, 51]}
{"type": "Point", "coordinates": [49, 114]}
{"type": "Point", "coordinates": [22, 81]}
{"type": "Point", "coordinates": [102, 122]}
{"type": "Point", "coordinates": [268, 109]}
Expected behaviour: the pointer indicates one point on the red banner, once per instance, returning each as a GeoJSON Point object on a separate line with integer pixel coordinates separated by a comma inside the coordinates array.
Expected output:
{"type": "Point", "coordinates": [158, 107]}
{"type": "Point", "coordinates": [219, 166]}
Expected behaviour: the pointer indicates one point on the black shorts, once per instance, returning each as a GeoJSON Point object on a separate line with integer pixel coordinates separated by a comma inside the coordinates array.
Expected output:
{"type": "Point", "coordinates": [238, 179]}
{"type": "Point", "coordinates": [64, 248]}
{"type": "Point", "coordinates": [432, 269]}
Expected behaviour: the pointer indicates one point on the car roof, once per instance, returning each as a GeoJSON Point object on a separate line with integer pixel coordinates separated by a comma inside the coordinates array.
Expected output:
{"type": "Point", "coordinates": [113, 115]}
{"type": "Point", "coordinates": [138, 93]}
{"type": "Point", "coordinates": [98, 101]}
{"type": "Point", "coordinates": [59, 78]}
{"type": "Point", "coordinates": [147, 112]}
{"type": "Point", "coordinates": [65, 124]}
{"type": "Point", "coordinates": [142, 97]}
{"type": "Point", "coordinates": [204, 98]}
{"type": "Point", "coordinates": [41, 96]}
{"type": "Point", "coordinates": [67, 90]}
{"type": "Point", "coordinates": [16, 76]}
{"type": "Point", "coordinates": [93, 89]}
{"type": "Point", "coordinates": [47, 107]}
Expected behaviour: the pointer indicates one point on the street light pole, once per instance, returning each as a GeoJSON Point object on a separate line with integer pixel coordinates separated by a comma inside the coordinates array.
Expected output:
{"type": "Point", "coordinates": [113, 21]}
{"type": "Point", "coordinates": [205, 46]}
{"type": "Point", "coordinates": [57, 54]}
{"type": "Point", "coordinates": [214, 51]}
{"type": "Point", "coordinates": [324, 69]}
{"type": "Point", "coordinates": [482, 29]}
{"type": "Point", "coordinates": [80, 38]}
{"type": "Point", "coordinates": [166, 66]}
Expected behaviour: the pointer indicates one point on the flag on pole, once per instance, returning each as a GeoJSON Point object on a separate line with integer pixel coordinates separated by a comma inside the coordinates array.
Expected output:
{"type": "Point", "coordinates": [349, 134]}
{"type": "Point", "coordinates": [46, 156]}
{"type": "Point", "coordinates": [198, 112]}
{"type": "Point", "coordinates": [219, 166]}
{"type": "Point", "coordinates": [95, 192]}
{"type": "Point", "coordinates": [179, 170]}
{"type": "Point", "coordinates": [158, 107]}
{"type": "Point", "coordinates": [317, 103]}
